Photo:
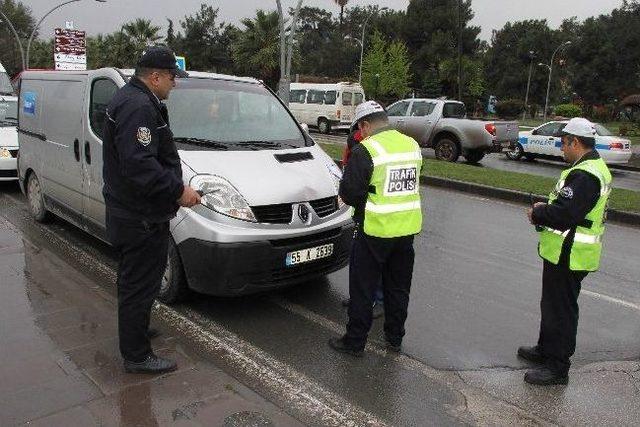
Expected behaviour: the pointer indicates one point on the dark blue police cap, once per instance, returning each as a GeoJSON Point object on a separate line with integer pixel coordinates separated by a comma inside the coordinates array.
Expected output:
{"type": "Point", "coordinates": [160, 57]}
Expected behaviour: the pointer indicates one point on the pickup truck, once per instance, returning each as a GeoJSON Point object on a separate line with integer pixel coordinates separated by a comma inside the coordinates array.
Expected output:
{"type": "Point", "coordinates": [441, 125]}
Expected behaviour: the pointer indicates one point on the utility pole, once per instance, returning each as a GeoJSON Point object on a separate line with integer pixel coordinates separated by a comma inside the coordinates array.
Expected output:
{"type": "Point", "coordinates": [459, 50]}
{"type": "Point", "coordinates": [285, 60]}
{"type": "Point", "coordinates": [532, 55]}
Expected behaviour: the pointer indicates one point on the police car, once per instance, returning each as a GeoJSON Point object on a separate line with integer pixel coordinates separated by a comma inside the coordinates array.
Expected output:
{"type": "Point", "coordinates": [545, 141]}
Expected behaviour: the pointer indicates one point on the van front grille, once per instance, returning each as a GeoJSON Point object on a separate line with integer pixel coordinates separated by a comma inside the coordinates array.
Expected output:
{"type": "Point", "coordinates": [273, 214]}
{"type": "Point", "coordinates": [325, 207]}
{"type": "Point", "coordinates": [283, 213]}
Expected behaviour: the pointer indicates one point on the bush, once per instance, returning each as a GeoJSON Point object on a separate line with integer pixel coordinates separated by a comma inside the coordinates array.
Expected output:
{"type": "Point", "coordinates": [629, 129]}
{"type": "Point", "coordinates": [509, 108]}
{"type": "Point", "coordinates": [568, 110]}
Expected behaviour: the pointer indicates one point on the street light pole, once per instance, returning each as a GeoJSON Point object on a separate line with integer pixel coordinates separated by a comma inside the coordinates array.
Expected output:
{"type": "Point", "coordinates": [546, 101]}
{"type": "Point", "coordinates": [526, 97]}
{"type": "Point", "coordinates": [15, 33]}
{"type": "Point", "coordinates": [33, 33]}
{"type": "Point", "coordinates": [364, 26]}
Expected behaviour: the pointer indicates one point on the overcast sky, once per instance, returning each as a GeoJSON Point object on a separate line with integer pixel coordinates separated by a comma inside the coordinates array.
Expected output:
{"type": "Point", "coordinates": [107, 17]}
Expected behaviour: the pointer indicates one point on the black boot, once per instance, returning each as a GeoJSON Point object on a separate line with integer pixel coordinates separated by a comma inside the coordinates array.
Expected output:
{"type": "Point", "coordinates": [339, 345]}
{"type": "Point", "coordinates": [151, 365]}
{"type": "Point", "coordinates": [545, 376]}
{"type": "Point", "coordinates": [531, 354]}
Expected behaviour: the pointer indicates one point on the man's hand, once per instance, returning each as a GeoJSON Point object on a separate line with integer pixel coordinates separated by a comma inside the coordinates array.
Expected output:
{"type": "Point", "coordinates": [189, 198]}
{"type": "Point", "coordinates": [530, 211]}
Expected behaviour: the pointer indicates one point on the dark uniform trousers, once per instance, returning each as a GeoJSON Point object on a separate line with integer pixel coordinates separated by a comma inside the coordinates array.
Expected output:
{"type": "Point", "coordinates": [142, 256]}
{"type": "Point", "coordinates": [372, 260]}
{"type": "Point", "coordinates": [559, 319]}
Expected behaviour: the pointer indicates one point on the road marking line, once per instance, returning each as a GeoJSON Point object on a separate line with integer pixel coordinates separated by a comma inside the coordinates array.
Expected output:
{"type": "Point", "coordinates": [612, 300]}
{"type": "Point", "coordinates": [281, 379]}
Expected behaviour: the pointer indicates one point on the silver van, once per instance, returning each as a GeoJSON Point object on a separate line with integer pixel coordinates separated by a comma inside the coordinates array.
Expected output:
{"type": "Point", "coordinates": [272, 216]}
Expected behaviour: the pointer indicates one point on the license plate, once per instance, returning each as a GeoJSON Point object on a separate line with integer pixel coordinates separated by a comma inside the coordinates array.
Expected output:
{"type": "Point", "coordinates": [307, 255]}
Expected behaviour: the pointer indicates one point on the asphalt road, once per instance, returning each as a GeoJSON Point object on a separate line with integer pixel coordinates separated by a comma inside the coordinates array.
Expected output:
{"type": "Point", "coordinates": [629, 180]}
{"type": "Point", "coordinates": [474, 300]}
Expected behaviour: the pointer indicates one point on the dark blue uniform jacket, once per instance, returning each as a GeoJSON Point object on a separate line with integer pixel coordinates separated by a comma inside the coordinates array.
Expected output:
{"type": "Point", "coordinates": [142, 171]}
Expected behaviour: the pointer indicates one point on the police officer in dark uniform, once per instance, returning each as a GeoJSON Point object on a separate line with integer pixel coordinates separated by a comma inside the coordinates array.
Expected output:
{"type": "Point", "coordinates": [381, 183]}
{"type": "Point", "coordinates": [143, 189]}
{"type": "Point", "coordinates": [571, 226]}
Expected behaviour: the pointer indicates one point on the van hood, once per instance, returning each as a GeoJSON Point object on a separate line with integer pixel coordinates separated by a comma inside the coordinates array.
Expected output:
{"type": "Point", "coordinates": [263, 180]}
{"type": "Point", "coordinates": [8, 137]}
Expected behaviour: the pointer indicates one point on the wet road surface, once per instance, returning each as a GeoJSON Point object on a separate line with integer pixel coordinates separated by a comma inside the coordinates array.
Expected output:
{"type": "Point", "coordinates": [474, 299]}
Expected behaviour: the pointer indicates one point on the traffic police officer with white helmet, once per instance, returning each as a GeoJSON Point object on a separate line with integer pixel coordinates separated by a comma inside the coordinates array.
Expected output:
{"type": "Point", "coordinates": [571, 227]}
{"type": "Point", "coordinates": [381, 183]}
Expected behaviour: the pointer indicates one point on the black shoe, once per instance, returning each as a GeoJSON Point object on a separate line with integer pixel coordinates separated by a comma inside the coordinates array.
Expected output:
{"type": "Point", "coordinates": [531, 354]}
{"type": "Point", "coordinates": [338, 345]}
{"type": "Point", "coordinates": [153, 333]}
{"type": "Point", "coordinates": [378, 310]}
{"type": "Point", "coordinates": [346, 302]}
{"type": "Point", "coordinates": [151, 365]}
{"type": "Point", "coordinates": [545, 376]}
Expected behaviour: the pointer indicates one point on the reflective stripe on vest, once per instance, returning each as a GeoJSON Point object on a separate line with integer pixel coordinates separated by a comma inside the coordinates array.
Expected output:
{"type": "Point", "coordinates": [384, 158]}
{"type": "Point", "coordinates": [397, 207]}
{"type": "Point", "coordinates": [578, 237]}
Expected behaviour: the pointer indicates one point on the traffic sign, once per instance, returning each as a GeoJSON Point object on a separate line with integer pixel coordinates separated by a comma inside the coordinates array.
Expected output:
{"type": "Point", "coordinates": [70, 49]}
{"type": "Point", "coordinates": [181, 63]}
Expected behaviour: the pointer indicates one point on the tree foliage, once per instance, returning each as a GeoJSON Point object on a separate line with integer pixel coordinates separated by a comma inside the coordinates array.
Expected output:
{"type": "Point", "coordinates": [386, 69]}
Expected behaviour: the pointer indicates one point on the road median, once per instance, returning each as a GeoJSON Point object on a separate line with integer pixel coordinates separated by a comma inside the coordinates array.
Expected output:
{"type": "Point", "coordinates": [512, 186]}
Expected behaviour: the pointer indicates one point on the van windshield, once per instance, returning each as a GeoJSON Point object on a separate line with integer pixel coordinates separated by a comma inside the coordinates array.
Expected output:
{"type": "Point", "coordinates": [208, 114]}
{"type": "Point", "coordinates": [8, 112]}
{"type": "Point", "coordinates": [5, 84]}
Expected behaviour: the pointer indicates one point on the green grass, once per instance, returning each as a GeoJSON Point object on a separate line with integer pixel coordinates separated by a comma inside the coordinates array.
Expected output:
{"type": "Point", "coordinates": [625, 200]}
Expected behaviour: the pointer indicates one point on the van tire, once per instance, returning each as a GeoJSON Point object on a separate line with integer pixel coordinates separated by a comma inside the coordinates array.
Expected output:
{"type": "Point", "coordinates": [324, 126]}
{"type": "Point", "coordinates": [36, 200]}
{"type": "Point", "coordinates": [173, 288]}
{"type": "Point", "coordinates": [447, 149]}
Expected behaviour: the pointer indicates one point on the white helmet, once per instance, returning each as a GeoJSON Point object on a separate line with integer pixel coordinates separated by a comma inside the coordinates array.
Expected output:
{"type": "Point", "coordinates": [579, 126]}
{"type": "Point", "coordinates": [366, 109]}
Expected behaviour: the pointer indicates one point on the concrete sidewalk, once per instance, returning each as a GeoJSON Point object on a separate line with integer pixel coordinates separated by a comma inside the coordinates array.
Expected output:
{"type": "Point", "coordinates": [60, 365]}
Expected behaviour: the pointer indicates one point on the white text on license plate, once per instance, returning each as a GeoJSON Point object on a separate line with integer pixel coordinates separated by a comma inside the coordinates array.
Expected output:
{"type": "Point", "coordinates": [311, 254]}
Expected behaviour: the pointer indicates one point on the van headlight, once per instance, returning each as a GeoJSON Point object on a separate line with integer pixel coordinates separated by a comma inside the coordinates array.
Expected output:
{"type": "Point", "coordinates": [336, 174]}
{"type": "Point", "coordinates": [219, 195]}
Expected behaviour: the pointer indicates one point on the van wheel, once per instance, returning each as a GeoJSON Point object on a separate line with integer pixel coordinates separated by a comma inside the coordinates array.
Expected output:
{"type": "Point", "coordinates": [474, 156]}
{"type": "Point", "coordinates": [447, 149]}
{"type": "Point", "coordinates": [324, 126]}
{"type": "Point", "coordinates": [173, 288]}
{"type": "Point", "coordinates": [36, 200]}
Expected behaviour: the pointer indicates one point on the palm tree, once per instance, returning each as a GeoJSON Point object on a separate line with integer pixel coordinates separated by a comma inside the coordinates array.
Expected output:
{"type": "Point", "coordinates": [142, 32]}
{"type": "Point", "coordinates": [256, 49]}
{"type": "Point", "coordinates": [342, 4]}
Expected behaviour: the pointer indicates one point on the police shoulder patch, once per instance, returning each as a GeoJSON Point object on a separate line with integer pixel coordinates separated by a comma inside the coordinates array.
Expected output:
{"type": "Point", "coordinates": [144, 136]}
{"type": "Point", "coordinates": [566, 193]}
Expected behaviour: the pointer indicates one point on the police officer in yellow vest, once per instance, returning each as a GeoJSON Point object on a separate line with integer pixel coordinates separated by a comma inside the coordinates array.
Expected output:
{"type": "Point", "coordinates": [571, 227]}
{"type": "Point", "coordinates": [381, 183]}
